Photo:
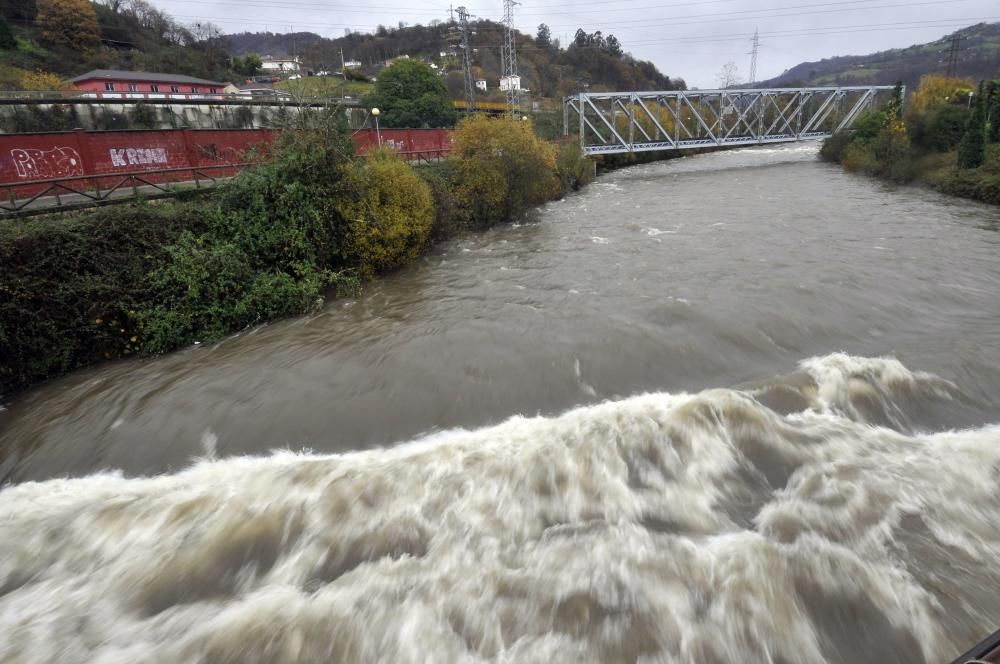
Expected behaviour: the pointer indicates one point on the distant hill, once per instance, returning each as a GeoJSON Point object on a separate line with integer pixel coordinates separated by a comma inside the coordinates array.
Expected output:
{"type": "Point", "coordinates": [978, 58]}
{"type": "Point", "coordinates": [590, 62]}
{"type": "Point", "coordinates": [270, 43]}
{"type": "Point", "coordinates": [134, 36]}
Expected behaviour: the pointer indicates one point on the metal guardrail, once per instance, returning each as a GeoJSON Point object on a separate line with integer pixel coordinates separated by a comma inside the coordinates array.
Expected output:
{"type": "Point", "coordinates": [424, 156]}
{"type": "Point", "coordinates": [116, 190]}
{"type": "Point", "coordinates": [99, 97]}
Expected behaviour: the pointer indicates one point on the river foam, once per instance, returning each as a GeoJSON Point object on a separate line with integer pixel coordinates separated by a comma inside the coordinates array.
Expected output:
{"type": "Point", "coordinates": [806, 519]}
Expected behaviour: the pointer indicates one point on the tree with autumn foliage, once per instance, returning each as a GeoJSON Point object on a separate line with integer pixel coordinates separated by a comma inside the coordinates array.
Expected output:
{"type": "Point", "coordinates": [68, 23]}
{"type": "Point", "coordinates": [43, 80]}
{"type": "Point", "coordinates": [937, 90]}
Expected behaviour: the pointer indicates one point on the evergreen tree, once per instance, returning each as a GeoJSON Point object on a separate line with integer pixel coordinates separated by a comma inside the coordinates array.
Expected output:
{"type": "Point", "coordinates": [614, 46]}
{"type": "Point", "coordinates": [7, 41]}
{"type": "Point", "coordinates": [972, 148]}
{"type": "Point", "coordinates": [19, 11]}
{"type": "Point", "coordinates": [544, 37]}
{"type": "Point", "coordinates": [994, 106]}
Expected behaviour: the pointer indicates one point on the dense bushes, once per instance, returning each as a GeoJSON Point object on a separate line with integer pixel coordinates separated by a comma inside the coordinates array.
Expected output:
{"type": "Point", "coordinates": [939, 129]}
{"type": "Point", "coordinates": [274, 243]}
{"type": "Point", "coordinates": [501, 169]}
{"type": "Point", "coordinates": [938, 122]}
{"type": "Point", "coordinates": [71, 289]}
{"type": "Point", "coordinates": [149, 278]}
{"type": "Point", "coordinates": [573, 167]}
{"type": "Point", "coordinates": [389, 212]}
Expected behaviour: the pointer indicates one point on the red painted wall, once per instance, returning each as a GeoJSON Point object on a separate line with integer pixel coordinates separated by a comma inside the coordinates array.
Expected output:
{"type": "Point", "coordinates": [405, 141]}
{"type": "Point", "coordinates": [28, 158]}
{"type": "Point", "coordinates": [100, 85]}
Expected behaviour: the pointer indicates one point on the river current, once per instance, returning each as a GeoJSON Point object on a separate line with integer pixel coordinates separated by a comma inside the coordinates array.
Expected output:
{"type": "Point", "coordinates": [737, 407]}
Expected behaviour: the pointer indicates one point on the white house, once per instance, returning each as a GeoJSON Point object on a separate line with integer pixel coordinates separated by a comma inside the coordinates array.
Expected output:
{"type": "Point", "coordinates": [510, 82]}
{"type": "Point", "coordinates": [481, 84]}
{"type": "Point", "coordinates": [352, 64]}
{"type": "Point", "coordinates": [280, 64]}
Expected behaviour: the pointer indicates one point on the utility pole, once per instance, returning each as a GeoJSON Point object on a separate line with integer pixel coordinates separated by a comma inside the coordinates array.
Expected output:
{"type": "Point", "coordinates": [343, 65]}
{"type": "Point", "coordinates": [953, 55]}
{"type": "Point", "coordinates": [470, 88]}
{"type": "Point", "coordinates": [753, 56]}
{"type": "Point", "coordinates": [508, 58]}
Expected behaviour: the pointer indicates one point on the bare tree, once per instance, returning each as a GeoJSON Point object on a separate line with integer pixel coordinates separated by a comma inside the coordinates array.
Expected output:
{"type": "Point", "coordinates": [729, 75]}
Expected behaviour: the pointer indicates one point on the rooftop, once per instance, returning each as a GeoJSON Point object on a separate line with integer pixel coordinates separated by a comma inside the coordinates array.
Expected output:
{"type": "Point", "coordinates": [120, 75]}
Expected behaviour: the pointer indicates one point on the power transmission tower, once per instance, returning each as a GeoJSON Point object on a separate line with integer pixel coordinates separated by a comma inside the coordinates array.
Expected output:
{"type": "Point", "coordinates": [470, 88]}
{"type": "Point", "coordinates": [956, 40]}
{"type": "Point", "coordinates": [753, 56]}
{"type": "Point", "coordinates": [508, 58]}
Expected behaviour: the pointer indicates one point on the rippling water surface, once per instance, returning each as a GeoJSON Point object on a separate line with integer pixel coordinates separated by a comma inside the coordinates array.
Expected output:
{"type": "Point", "coordinates": [733, 407]}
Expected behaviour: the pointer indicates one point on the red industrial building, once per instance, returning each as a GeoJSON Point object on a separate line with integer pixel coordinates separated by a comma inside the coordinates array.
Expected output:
{"type": "Point", "coordinates": [149, 84]}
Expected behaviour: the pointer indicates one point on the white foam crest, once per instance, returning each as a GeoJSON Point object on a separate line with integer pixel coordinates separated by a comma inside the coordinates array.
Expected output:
{"type": "Point", "coordinates": [664, 527]}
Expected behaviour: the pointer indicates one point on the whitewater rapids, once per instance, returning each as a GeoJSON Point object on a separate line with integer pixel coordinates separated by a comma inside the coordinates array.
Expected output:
{"type": "Point", "coordinates": [805, 519]}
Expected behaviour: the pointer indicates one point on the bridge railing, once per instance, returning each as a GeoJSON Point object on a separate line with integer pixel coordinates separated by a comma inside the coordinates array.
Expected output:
{"type": "Point", "coordinates": [615, 122]}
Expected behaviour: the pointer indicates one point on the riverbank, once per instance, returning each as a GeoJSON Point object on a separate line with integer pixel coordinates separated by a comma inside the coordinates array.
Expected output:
{"type": "Point", "coordinates": [313, 221]}
{"type": "Point", "coordinates": [942, 140]}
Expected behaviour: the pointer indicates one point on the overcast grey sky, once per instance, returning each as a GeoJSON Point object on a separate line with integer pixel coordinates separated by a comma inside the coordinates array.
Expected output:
{"type": "Point", "coordinates": [682, 37]}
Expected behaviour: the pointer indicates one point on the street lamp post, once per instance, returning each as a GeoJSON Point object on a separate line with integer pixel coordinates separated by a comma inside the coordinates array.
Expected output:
{"type": "Point", "coordinates": [378, 133]}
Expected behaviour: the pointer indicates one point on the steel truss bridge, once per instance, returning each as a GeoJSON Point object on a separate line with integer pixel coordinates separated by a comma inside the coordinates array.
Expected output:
{"type": "Point", "coordinates": [615, 122]}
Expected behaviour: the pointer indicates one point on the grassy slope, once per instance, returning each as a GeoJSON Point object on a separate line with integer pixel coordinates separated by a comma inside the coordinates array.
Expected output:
{"type": "Point", "coordinates": [326, 86]}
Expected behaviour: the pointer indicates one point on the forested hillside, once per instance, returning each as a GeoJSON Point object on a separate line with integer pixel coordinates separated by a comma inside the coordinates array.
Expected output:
{"type": "Point", "coordinates": [54, 39]}
{"type": "Point", "coordinates": [591, 61]}
{"type": "Point", "coordinates": [978, 58]}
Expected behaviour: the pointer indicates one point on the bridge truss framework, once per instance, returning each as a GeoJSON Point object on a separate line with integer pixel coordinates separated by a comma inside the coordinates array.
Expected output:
{"type": "Point", "coordinates": [615, 122]}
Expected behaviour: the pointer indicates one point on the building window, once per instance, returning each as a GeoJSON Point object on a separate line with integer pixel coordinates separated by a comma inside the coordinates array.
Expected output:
{"type": "Point", "coordinates": [174, 88]}
{"type": "Point", "coordinates": [194, 89]}
{"type": "Point", "coordinates": [212, 90]}
{"type": "Point", "coordinates": [132, 87]}
{"type": "Point", "coordinates": [110, 87]}
{"type": "Point", "coordinates": [154, 88]}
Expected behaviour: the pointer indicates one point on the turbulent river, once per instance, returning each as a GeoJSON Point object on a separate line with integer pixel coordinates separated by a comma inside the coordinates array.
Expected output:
{"type": "Point", "coordinates": [738, 407]}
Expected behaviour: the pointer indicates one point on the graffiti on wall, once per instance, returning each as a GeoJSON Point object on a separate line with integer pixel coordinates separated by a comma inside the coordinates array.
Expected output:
{"type": "Point", "coordinates": [59, 162]}
{"type": "Point", "coordinates": [133, 156]}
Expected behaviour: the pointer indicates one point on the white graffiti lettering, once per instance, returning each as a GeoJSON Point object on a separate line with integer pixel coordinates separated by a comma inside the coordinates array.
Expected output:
{"type": "Point", "coordinates": [59, 162]}
{"type": "Point", "coordinates": [134, 156]}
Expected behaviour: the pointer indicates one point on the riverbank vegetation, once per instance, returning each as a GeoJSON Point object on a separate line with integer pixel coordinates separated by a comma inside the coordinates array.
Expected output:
{"type": "Point", "coordinates": [948, 137]}
{"type": "Point", "coordinates": [312, 221]}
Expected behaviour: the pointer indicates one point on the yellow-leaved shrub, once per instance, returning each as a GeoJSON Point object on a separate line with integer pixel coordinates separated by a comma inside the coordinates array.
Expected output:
{"type": "Point", "coordinates": [935, 90]}
{"type": "Point", "coordinates": [389, 213]}
{"type": "Point", "coordinates": [501, 168]}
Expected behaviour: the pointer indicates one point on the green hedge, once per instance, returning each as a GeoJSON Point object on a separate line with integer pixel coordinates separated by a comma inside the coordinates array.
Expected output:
{"type": "Point", "coordinates": [71, 288]}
